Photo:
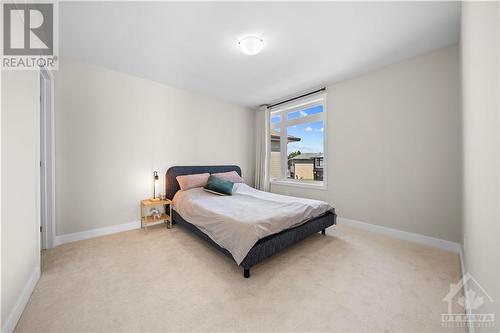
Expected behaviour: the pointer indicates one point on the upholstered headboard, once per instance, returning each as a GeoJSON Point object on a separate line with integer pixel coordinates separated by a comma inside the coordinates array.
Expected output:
{"type": "Point", "coordinates": [171, 185]}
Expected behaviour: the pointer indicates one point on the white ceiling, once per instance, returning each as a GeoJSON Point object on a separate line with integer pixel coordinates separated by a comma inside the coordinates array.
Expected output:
{"type": "Point", "coordinates": [307, 45]}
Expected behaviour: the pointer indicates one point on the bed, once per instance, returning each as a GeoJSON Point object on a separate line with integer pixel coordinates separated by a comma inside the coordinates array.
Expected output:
{"type": "Point", "coordinates": [248, 252]}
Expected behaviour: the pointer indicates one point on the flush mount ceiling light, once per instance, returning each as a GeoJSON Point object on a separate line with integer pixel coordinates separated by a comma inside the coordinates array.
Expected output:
{"type": "Point", "coordinates": [251, 45]}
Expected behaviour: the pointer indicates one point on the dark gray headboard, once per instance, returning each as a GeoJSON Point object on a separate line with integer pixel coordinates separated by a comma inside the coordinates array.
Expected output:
{"type": "Point", "coordinates": [171, 185]}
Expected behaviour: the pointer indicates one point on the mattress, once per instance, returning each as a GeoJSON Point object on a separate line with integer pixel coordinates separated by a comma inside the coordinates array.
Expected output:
{"type": "Point", "coordinates": [237, 222]}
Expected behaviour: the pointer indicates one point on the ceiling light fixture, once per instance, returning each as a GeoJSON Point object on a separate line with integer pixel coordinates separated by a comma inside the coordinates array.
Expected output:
{"type": "Point", "coordinates": [251, 45]}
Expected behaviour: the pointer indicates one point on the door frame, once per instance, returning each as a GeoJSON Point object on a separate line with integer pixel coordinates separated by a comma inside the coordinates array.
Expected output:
{"type": "Point", "coordinates": [47, 159]}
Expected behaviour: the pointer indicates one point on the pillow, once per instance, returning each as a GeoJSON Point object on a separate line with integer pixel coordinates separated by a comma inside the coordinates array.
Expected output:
{"type": "Point", "coordinates": [231, 176]}
{"type": "Point", "coordinates": [219, 185]}
{"type": "Point", "coordinates": [191, 181]}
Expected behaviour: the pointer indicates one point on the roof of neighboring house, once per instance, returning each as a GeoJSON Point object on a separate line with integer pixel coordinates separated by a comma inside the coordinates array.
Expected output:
{"type": "Point", "coordinates": [275, 135]}
{"type": "Point", "coordinates": [307, 156]}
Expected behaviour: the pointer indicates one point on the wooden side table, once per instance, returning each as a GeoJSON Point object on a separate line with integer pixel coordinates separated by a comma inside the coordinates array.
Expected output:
{"type": "Point", "coordinates": [148, 219]}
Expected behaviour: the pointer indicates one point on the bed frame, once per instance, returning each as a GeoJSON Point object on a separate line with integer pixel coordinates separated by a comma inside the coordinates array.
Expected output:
{"type": "Point", "coordinates": [265, 247]}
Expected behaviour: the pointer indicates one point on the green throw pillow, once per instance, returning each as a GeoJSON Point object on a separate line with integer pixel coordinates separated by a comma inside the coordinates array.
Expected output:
{"type": "Point", "coordinates": [220, 186]}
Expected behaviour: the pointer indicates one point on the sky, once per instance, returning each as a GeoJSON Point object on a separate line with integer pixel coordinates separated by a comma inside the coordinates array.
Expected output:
{"type": "Point", "coordinates": [311, 134]}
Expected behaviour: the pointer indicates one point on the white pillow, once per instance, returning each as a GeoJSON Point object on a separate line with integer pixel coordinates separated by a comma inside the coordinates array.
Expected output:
{"type": "Point", "coordinates": [191, 181]}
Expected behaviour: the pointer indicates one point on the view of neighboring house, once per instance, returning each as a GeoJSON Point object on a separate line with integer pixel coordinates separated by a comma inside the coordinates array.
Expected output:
{"type": "Point", "coordinates": [274, 165]}
{"type": "Point", "coordinates": [306, 166]}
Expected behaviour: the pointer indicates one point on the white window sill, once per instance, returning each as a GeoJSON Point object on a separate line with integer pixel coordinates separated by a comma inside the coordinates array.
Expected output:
{"type": "Point", "coordinates": [294, 183]}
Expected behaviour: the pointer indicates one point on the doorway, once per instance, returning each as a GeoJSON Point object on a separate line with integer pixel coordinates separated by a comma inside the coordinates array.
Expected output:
{"type": "Point", "coordinates": [47, 167]}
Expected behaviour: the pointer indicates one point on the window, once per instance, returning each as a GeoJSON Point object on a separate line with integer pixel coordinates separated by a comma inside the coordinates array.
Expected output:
{"type": "Point", "coordinates": [298, 142]}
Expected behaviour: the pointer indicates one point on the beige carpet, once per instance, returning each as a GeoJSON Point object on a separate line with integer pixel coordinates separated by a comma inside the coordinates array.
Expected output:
{"type": "Point", "coordinates": [169, 280]}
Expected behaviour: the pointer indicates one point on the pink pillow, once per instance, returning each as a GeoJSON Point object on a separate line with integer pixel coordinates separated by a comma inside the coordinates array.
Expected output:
{"type": "Point", "coordinates": [191, 181]}
{"type": "Point", "coordinates": [231, 176]}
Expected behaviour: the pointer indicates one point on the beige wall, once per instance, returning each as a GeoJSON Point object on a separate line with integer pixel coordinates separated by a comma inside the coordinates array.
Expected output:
{"type": "Point", "coordinates": [394, 147]}
{"type": "Point", "coordinates": [113, 130]}
{"type": "Point", "coordinates": [481, 147]}
{"type": "Point", "coordinates": [20, 249]}
{"type": "Point", "coordinates": [304, 171]}
{"type": "Point", "coordinates": [275, 164]}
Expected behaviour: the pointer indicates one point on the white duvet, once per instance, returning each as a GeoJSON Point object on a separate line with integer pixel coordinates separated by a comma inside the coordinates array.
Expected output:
{"type": "Point", "coordinates": [237, 222]}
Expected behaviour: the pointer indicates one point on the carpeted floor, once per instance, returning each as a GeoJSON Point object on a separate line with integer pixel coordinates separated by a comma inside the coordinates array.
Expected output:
{"type": "Point", "coordinates": [169, 280]}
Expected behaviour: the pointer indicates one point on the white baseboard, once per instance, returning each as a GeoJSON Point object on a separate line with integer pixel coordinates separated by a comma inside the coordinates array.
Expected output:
{"type": "Point", "coordinates": [68, 238]}
{"type": "Point", "coordinates": [462, 262]}
{"type": "Point", "coordinates": [468, 310]}
{"type": "Point", "coordinates": [404, 235]}
{"type": "Point", "coordinates": [22, 301]}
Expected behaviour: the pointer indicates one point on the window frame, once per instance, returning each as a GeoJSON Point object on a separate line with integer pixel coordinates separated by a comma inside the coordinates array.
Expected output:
{"type": "Point", "coordinates": [284, 110]}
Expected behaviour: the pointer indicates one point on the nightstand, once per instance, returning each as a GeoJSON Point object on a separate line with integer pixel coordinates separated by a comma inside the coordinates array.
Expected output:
{"type": "Point", "coordinates": [148, 219]}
